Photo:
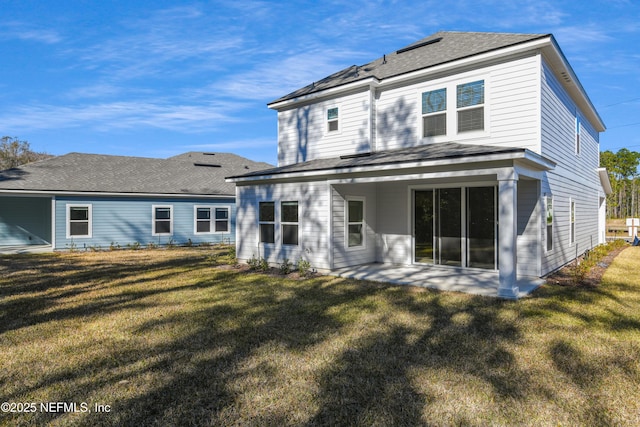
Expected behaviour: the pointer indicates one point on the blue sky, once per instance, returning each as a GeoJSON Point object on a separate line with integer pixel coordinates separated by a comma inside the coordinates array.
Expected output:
{"type": "Point", "coordinates": [158, 78]}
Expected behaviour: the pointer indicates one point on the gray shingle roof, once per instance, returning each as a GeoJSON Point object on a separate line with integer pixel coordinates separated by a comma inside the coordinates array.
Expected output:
{"type": "Point", "coordinates": [188, 173]}
{"type": "Point", "coordinates": [439, 48]}
{"type": "Point", "coordinates": [440, 151]}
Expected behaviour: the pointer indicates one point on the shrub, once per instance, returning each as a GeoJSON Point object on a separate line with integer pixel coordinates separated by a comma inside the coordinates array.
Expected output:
{"type": "Point", "coordinates": [304, 267]}
{"type": "Point", "coordinates": [286, 267]}
{"type": "Point", "coordinates": [253, 262]}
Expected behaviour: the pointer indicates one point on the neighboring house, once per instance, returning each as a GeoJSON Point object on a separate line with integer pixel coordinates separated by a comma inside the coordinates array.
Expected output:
{"type": "Point", "coordinates": [462, 151]}
{"type": "Point", "coordinates": [89, 200]}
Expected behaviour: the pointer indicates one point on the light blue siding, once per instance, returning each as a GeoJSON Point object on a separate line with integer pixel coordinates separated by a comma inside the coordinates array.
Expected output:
{"type": "Point", "coordinates": [123, 221]}
{"type": "Point", "coordinates": [25, 220]}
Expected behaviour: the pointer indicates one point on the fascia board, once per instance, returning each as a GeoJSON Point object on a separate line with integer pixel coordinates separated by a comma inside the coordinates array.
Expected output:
{"type": "Point", "coordinates": [107, 194]}
{"type": "Point", "coordinates": [528, 156]}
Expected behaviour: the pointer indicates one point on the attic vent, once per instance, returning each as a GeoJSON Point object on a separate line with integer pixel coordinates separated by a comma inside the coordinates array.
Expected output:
{"type": "Point", "coordinates": [415, 46]}
{"type": "Point", "coordinates": [565, 76]}
{"type": "Point", "coordinates": [209, 154]}
{"type": "Point", "coordinates": [207, 165]}
{"type": "Point", "coordinates": [355, 156]}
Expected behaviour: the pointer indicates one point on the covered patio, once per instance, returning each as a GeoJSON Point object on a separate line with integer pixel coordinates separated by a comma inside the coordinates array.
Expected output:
{"type": "Point", "coordinates": [471, 281]}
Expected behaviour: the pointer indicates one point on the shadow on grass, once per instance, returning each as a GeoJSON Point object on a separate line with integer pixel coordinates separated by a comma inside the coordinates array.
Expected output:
{"type": "Point", "coordinates": [217, 365]}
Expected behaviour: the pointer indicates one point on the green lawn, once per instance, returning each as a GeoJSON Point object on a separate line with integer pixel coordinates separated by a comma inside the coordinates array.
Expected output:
{"type": "Point", "coordinates": [166, 337]}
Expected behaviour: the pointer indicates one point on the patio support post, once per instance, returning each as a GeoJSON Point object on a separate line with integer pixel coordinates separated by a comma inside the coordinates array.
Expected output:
{"type": "Point", "coordinates": [508, 234]}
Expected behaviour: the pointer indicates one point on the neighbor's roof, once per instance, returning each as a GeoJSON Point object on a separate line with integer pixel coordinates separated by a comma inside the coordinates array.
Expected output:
{"type": "Point", "coordinates": [439, 48]}
{"type": "Point", "coordinates": [188, 173]}
{"type": "Point", "coordinates": [447, 151]}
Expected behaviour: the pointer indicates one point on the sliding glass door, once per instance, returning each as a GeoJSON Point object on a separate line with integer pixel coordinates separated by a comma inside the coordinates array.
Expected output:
{"type": "Point", "coordinates": [450, 229]}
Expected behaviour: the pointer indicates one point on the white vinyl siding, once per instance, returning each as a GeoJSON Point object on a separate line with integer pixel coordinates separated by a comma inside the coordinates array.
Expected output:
{"type": "Point", "coordinates": [303, 131]}
{"type": "Point", "coordinates": [511, 108]}
{"type": "Point", "coordinates": [313, 223]}
{"type": "Point", "coordinates": [528, 240]}
{"type": "Point", "coordinates": [574, 178]}
{"type": "Point", "coordinates": [343, 255]}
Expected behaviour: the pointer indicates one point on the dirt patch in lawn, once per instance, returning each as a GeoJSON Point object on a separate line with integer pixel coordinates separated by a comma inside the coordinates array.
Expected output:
{"type": "Point", "coordinates": [567, 276]}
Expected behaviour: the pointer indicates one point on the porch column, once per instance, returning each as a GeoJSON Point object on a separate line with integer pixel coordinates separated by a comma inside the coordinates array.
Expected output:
{"type": "Point", "coordinates": [508, 234]}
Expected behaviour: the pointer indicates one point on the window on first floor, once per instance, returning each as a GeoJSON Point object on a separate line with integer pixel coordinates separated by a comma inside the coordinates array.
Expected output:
{"type": "Point", "coordinates": [572, 221]}
{"type": "Point", "coordinates": [209, 219]}
{"type": "Point", "coordinates": [78, 221]}
{"type": "Point", "coordinates": [355, 226]}
{"type": "Point", "coordinates": [289, 222]}
{"type": "Point", "coordinates": [549, 221]}
{"type": "Point", "coordinates": [162, 218]}
{"type": "Point", "coordinates": [266, 221]}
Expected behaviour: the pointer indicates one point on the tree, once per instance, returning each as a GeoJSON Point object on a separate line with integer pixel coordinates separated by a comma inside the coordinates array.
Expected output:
{"type": "Point", "coordinates": [623, 171]}
{"type": "Point", "coordinates": [14, 153]}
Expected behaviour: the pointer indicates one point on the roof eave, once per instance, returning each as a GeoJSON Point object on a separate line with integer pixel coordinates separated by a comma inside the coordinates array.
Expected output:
{"type": "Point", "coordinates": [365, 82]}
{"type": "Point", "coordinates": [529, 157]}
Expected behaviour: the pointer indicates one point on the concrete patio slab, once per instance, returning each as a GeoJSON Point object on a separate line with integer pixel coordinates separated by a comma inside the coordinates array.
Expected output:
{"type": "Point", "coordinates": [24, 249]}
{"type": "Point", "coordinates": [477, 282]}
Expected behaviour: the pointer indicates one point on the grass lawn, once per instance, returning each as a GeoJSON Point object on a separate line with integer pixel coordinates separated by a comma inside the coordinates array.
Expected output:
{"type": "Point", "coordinates": [166, 337]}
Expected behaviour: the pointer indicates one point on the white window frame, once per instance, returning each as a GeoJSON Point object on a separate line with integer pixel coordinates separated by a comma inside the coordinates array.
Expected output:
{"type": "Point", "coordinates": [572, 221]}
{"type": "Point", "coordinates": [283, 223]}
{"type": "Point", "coordinates": [578, 135]}
{"type": "Point", "coordinates": [89, 207]}
{"type": "Point", "coordinates": [212, 219]}
{"type": "Point", "coordinates": [272, 223]}
{"type": "Point", "coordinates": [471, 107]}
{"type": "Point", "coordinates": [548, 233]}
{"type": "Point", "coordinates": [336, 120]}
{"type": "Point", "coordinates": [347, 222]}
{"type": "Point", "coordinates": [444, 112]}
{"type": "Point", "coordinates": [451, 85]}
{"type": "Point", "coordinates": [153, 220]}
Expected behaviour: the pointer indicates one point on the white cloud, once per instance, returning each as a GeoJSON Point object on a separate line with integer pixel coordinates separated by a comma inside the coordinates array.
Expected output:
{"type": "Point", "coordinates": [27, 32]}
{"type": "Point", "coordinates": [123, 115]}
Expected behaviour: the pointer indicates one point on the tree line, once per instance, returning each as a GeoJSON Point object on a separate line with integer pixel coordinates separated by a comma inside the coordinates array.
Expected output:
{"type": "Point", "coordinates": [622, 166]}
{"type": "Point", "coordinates": [14, 152]}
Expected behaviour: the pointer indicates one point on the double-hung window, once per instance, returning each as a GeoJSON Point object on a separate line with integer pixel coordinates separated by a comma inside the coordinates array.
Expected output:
{"type": "Point", "coordinates": [266, 220]}
{"type": "Point", "coordinates": [222, 220]}
{"type": "Point", "coordinates": [355, 222]}
{"type": "Point", "coordinates": [572, 221]}
{"type": "Point", "coordinates": [577, 138]}
{"type": "Point", "coordinates": [289, 222]}
{"type": "Point", "coordinates": [210, 219]}
{"type": "Point", "coordinates": [434, 112]}
{"type": "Point", "coordinates": [78, 221]}
{"type": "Point", "coordinates": [549, 221]}
{"type": "Point", "coordinates": [333, 119]}
{"type": "Point", "coordinates": [470, 105]}
{"type": "Point", "coordinates": [162, 220]}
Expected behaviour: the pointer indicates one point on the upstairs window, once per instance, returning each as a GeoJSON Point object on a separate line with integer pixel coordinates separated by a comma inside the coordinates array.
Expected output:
{"type": "Point", "coordinates": [470, 105]}
{"type": "Point", "coordinates": [162, 220]}
{"type": "Point", "coordinates": [266, 219]}
{"type": "Point", "coordinates": [333, 119]}
{"type": "Point", "coordinates": [78, 221]}
{"type": "Point", "coordinates": [289, 221]}
{"type": "Point", "coordinates": [578, 132]}
{"type": "Point", "coordinates": [434, 113]}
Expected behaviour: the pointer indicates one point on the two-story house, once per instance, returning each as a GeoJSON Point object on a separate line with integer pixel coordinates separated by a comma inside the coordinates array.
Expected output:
{"type": "Point", "coordinates": [462, 151]}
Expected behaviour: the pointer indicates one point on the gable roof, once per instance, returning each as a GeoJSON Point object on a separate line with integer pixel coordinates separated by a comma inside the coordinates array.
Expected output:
{"type": "Point", "coordinates": [448, 49]}
{"type": "Point", "coordinates": [423, 154]}
{"type": "Point", "coordinates": [439, 48]}
{"type": "Point", "coordinates": [189, 173]}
